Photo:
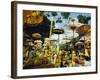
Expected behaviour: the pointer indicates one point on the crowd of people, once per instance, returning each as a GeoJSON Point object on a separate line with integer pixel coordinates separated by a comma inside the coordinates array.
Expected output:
{"type": "Point", "coordinates": [46, 52]}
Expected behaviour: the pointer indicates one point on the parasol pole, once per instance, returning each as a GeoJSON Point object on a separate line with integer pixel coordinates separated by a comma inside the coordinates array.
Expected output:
{"type": "Point", "coordinates": [51, 26]}
{"type": "Point", "coordinates": [58, 44]}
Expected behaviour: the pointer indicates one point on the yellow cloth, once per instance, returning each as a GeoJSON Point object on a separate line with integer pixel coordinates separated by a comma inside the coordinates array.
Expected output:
{"type": "Point", "coordinates": [86, 53]}
{"type": "Point", "coordinates": [73, 56]}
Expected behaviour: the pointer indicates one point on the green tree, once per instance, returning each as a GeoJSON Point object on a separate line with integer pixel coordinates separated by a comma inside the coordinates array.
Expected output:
{"type": "Point", "coordinates": [83, 19]}
{"type": "Point", "coordinates": [54, 13]}
{"type": "Point", "coordinates": [59, 20]}
{"type": "Point", "coordinates": [65, 15]}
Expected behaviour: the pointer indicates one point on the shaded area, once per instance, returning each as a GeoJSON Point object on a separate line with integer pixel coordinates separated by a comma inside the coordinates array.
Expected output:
{"type": "Point", "coordinates": [42, 29]}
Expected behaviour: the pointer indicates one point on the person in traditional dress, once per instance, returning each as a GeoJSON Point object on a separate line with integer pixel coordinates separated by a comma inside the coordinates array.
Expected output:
{"type": "Point", "coordinates": [73, 57]}
{"type": "Point", "coordinates": [54, 58]}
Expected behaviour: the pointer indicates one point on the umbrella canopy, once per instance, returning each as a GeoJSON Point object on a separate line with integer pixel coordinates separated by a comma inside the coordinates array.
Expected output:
{"type": "Point", "coordinates": [72, 24]}
{"type": "Point", "coordinates": [32, 17]}
{"type": "Point", "coordinates": [36, 36]}
{"type": "Point", "coordinates": [79, 43]}
{"type": "Point", "coordinates": [58, 31]}
{"type": "Point", "coordinates": [37, 41]}
{"type": "Point", "coordinates": [84, 29]}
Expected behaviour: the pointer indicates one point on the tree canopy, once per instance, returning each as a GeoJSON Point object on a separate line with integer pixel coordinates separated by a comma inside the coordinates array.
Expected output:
{"type": "Point", "coordinates": [65, 15]}
{"type": "Point", "coordinates": [83, 19]}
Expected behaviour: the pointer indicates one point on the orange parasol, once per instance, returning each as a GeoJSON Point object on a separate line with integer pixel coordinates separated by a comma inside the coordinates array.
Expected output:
{"type": "Point", "coordinates": [85, 28]}
{"type": "Point", "coordinates": [36, 36]}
